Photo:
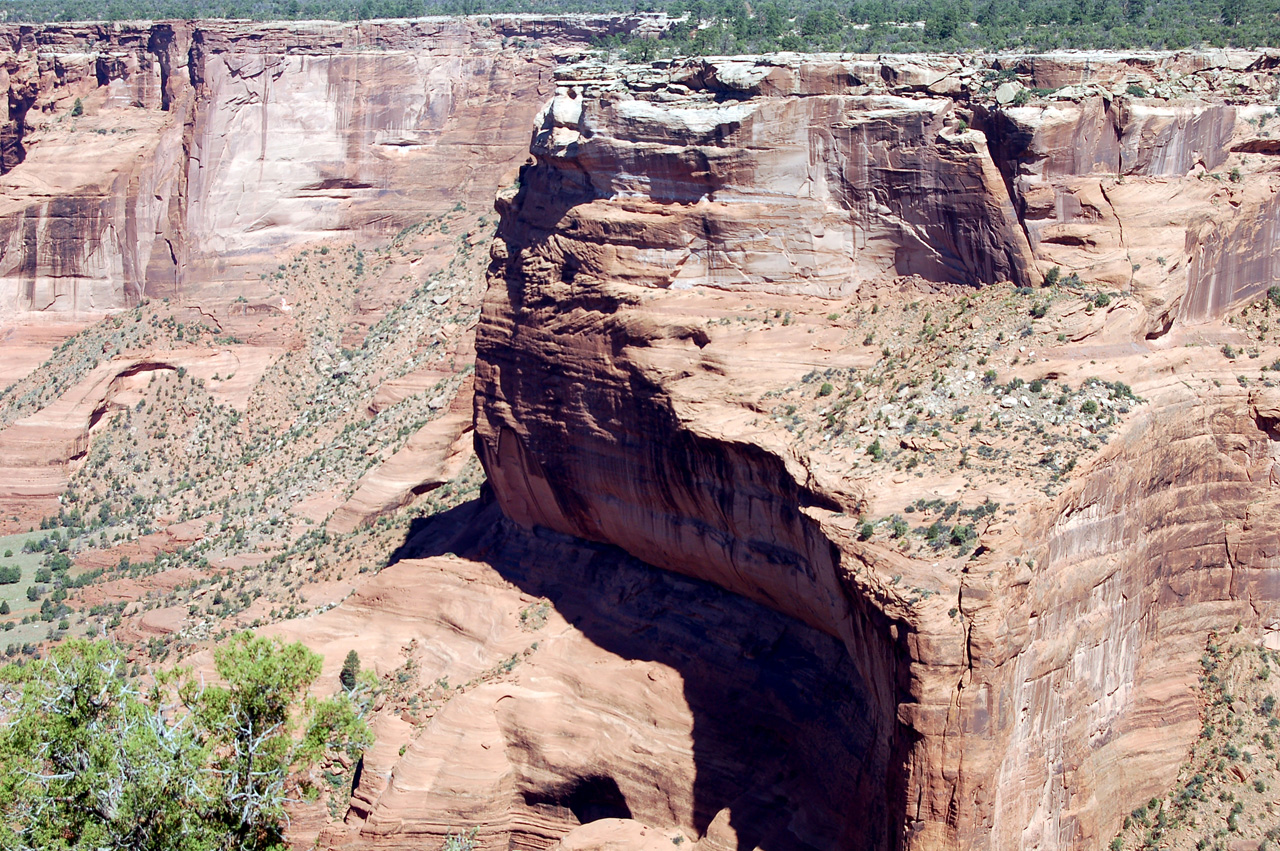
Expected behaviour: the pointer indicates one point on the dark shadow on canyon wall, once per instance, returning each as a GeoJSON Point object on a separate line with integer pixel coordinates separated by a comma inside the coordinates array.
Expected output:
{"type": "Point", "coordinates": [782, 723]}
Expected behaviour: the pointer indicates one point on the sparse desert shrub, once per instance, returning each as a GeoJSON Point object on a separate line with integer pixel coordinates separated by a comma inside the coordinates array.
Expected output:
{"type": "Point", "coordinates": [460, 841]}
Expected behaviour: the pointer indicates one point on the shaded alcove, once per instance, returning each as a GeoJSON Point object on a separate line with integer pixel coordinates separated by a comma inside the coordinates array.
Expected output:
{"type": "Point", "coordinates": [787, 744]}
{"type": "Point", "coordinates": [586, 799]}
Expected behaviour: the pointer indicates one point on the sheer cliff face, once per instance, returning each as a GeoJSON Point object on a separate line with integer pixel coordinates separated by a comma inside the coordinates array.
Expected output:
{"type": "Point", "coordinates": [696, 246]}
{"type": "Point", "coordinates": [1149, 196]}
{"type": "Point", "coordinates": [198, 152]}
{"type": "Point", "coordinates": [811, 192]}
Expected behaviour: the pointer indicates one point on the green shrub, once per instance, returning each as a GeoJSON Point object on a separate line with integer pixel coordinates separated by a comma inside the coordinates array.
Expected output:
{"type": "Point", "coordinates": [215, 780]}
{"type": "Point", "coordinates": [460, 841]}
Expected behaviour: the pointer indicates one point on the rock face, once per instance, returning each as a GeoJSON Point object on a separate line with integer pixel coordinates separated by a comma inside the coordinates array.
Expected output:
{"type": "Point", "coordinates": [737, 315]}
{"type": "Point", "coordinates": [189, 161]}
{"type": "Point", "coordinates": [179, 159]}
{"type": "Point", "coordinates": [820, 189]}
{"type": "Point", "coordinates": [1031, 692]}
{"type": "Point", "coordinates": [603, 693]}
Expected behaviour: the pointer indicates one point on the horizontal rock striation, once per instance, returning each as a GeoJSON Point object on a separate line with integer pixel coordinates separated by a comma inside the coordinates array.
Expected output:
{"type": "Point", "coordinates": [179, 159]}
{"type": "Point", "coordinates": [820, 189]}
{"type": "Point", "coordinates": [1027, 695]}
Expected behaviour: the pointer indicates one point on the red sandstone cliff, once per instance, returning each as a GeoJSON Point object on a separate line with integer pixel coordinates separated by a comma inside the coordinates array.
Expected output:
{"type": "Point", "coordinates": [201, 150]}
{"type": "Point", "coordinates": [189, 161]}
{"type": "Point", "coordinates": [719, 286]}
{"type": "Point", "coordinates": [696, 243]}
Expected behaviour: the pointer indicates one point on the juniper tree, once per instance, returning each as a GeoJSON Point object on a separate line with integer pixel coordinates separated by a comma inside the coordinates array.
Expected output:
{"type": "Point", "coordinates": [93, 758]}
{"type": "Point", "coordinates": [350, 671]}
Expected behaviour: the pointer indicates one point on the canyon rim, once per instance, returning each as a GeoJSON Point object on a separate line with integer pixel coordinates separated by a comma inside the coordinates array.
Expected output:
{"type": "Point", "coordinates": [796, 451]}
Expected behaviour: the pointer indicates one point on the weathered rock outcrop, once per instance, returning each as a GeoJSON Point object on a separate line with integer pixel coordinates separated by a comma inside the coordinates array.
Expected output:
{"type": "Point", "coordinates": [819, 189]}
{"type": "Point", "coordinates": [599, 691]}
{"type": "Point", "coordinates": [39, 451]}
{"type": "Point", "coordinates": [1025, 692]}
{"type": "Point", "coordinates": [179, 159]}
{"type": "Point", "coordinates": [684, 274]}
{"type": "Point", "coordinates": [190, 160]}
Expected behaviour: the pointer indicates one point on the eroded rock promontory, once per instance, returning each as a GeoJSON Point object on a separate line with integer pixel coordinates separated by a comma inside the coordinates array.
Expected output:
{"type": "Point", "coordinates": [778, 324]}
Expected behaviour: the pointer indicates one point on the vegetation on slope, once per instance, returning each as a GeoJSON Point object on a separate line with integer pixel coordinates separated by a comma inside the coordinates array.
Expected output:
{"type": "Point", "coordinates": [725, 27]}
{"type": "Point", "coordinates": [1225, 795]}
{"type": "Point", "coordinates": [242, 473]}
{"type": "Point", "coordinates": [93, 758]}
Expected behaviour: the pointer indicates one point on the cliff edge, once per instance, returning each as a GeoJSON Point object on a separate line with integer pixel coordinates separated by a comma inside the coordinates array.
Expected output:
{"type": "Point", "coordinates": [925, 353]}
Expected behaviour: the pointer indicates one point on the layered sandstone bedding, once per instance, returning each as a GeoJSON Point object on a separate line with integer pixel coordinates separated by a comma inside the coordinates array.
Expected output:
{"type": "Point", "coordinates": [872, 444]}
{"type": "Point", "coordinates": [779, 324]}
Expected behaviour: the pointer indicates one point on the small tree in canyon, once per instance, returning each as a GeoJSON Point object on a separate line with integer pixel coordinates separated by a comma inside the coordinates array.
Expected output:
{"type": "Point", "coordinates": [94, 758]}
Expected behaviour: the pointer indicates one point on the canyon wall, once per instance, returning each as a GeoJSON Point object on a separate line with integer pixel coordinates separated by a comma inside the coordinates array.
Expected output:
{"type": "Point", "coordinates": [747, 320]}
{"type": "Point", "coordinates": [195, 162]}
{"type": "Point", "coordinates": [696, 240]}
{"type": "Point", "coordinates": [180, 159]}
